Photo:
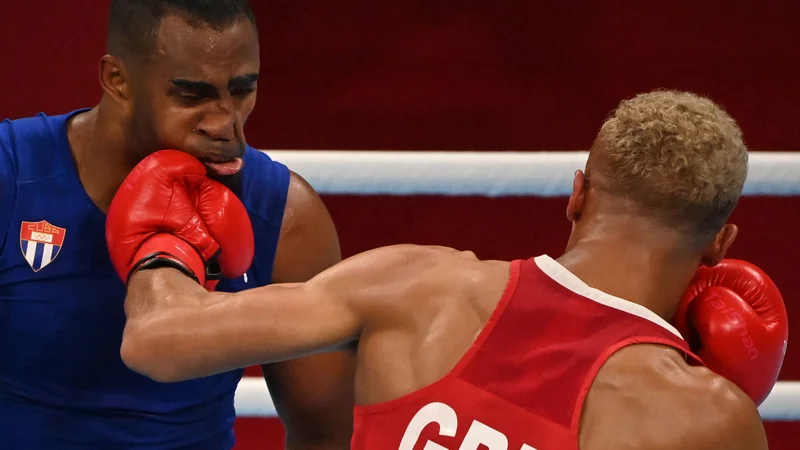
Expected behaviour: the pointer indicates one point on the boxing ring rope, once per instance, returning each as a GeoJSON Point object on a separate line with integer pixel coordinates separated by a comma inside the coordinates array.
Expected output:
{"type": "Point", "coordinates": [492, 174]}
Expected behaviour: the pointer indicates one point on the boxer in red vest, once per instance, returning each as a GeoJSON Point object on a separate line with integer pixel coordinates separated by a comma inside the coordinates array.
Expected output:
{"type": "Point", "coordinates": [603, 347]}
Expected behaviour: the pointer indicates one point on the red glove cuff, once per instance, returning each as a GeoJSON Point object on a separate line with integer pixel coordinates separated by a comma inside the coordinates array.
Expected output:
{"type": "Point", "coordinates": [167, 250]}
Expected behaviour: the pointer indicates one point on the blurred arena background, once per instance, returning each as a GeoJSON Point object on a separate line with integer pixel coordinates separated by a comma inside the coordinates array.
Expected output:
{"type": "Point", "coordinates": [469, 75]}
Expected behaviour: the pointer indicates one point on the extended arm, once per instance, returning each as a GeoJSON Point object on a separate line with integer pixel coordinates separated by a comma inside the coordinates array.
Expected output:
{"type": "Point", "coordinates": [179, 331]}
{"type": "Point", "coordinates": [176, 330]}
{"type": "Point", "coordinates": [229, 330]}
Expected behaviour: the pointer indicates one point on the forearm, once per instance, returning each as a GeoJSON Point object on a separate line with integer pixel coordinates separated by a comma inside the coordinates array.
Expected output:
{"type": "Point", "coordinates": [153, 291]}
{"type": "Point", "coordinates": [177, 331]}
{"type": "Point", "coordinates": [165, 315]}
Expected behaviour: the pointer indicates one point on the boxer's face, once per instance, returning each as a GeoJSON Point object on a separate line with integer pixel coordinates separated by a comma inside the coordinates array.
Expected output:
{"type": "Point", "coordinates": [198, 89]}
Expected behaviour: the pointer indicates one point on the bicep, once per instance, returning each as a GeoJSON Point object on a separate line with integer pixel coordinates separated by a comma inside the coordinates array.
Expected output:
{"type": "Point", "coordinates": [280, 322]}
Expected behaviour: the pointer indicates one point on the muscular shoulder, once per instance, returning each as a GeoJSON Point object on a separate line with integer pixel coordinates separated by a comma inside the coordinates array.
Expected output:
{"type": "Point", "coordinates": [421, 264]}
{"type": "Point", "coordinates": [646, 396]}
{"type": "Point", "coordinates": [715, 412]}
{"type": "Point", "coordinates": [413, 281]}
{"type": "Point", "coordinates": [308, 242]}
{"type": "Point", "coordinates": [403, 264]}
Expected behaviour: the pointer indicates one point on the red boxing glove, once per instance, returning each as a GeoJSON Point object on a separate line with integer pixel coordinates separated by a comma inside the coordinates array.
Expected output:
{"type": "Point", "coordinates": [167, 213]}
{"type": "Point", "coordinates": [734, 319]}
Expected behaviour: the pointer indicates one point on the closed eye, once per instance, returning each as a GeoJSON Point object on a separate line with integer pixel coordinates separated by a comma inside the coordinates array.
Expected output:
{"type": "Point", "coordinates": [241, 92]}
{"type": "Point", "coordinates": [188, 89]}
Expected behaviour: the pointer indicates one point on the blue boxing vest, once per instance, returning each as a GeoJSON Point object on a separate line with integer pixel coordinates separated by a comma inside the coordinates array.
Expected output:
{"type": "Point", "coordinates": [62, 383]}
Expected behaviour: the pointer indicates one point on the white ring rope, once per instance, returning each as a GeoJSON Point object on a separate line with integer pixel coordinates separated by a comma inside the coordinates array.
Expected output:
{"type": "Point", "coordinates": [492, 174]}
{"type": "Point", "coordinates": [253, 400]}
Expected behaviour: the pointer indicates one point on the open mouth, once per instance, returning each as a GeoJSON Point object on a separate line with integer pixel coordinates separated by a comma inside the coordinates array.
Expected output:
{"type": "Point", "coordinates": [224, 168]}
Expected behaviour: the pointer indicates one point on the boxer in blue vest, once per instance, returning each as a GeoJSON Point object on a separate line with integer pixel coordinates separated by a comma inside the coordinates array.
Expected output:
{"type": "Point", "coordinates": [179, 74]}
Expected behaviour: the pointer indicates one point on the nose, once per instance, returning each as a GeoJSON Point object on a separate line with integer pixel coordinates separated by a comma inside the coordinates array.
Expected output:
{"type": "Point", "coordinates": [219, 124]}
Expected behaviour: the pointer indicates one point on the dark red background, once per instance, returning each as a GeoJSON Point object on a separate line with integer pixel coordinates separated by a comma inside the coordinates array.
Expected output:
{"type": "Point", "coordinates": [482, 75]}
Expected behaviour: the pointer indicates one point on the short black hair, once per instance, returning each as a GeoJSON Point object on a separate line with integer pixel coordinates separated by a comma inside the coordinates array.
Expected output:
{"type": "Point", "coordinates": [132, 24]}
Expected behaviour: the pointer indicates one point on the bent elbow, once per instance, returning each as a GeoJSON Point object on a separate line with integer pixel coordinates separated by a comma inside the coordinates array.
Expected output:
{"type": "Point", "coordinates": [144, 356]}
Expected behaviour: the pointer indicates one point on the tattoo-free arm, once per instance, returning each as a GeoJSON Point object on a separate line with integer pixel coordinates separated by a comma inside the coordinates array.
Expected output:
{"type": "Point", "coordinates": [176, 330]}
{"type": "Point", "coordinates": [179, 331]}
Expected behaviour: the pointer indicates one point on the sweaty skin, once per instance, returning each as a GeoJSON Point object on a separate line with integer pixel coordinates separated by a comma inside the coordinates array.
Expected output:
{"type": "Point", "coordinates": [415, 311]}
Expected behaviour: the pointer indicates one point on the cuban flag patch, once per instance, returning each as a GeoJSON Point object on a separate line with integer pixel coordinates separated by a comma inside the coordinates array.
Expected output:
{"type": "Point", "coordinates": [40, 243]}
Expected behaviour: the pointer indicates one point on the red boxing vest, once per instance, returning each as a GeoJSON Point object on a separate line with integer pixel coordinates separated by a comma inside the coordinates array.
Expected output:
{"type": "Point", "coordinates": [522, 384]}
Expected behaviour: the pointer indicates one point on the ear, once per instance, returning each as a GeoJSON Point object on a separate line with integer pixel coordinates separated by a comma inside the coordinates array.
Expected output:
{"type": "Point", "coordinates": [114, 80]}
{"type": "Point", "coordinates": [719, 247]}
{"type": "Point", "coordinates": [577, 200]}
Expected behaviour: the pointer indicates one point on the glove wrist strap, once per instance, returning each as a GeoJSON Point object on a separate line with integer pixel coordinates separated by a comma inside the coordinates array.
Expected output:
{"type": "Point", "coordinates": [166, 250]}
{"type": "Point", "coordinates": [160, 260]}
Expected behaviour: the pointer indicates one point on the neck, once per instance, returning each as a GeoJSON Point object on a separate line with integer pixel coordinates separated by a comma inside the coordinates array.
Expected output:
{"type": "Point", "coordinates": [633, 261]}
{"type": "Point", "coordinates": [98, 143]}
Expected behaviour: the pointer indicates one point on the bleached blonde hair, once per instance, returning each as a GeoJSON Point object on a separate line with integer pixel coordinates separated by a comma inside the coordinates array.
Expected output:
{"type": "Point", "coordinates": [677, 154]}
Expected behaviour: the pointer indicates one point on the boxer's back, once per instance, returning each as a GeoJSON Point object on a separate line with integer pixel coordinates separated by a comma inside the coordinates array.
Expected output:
{"type": "Point", "coordinates": [62, 381]}
{"type": "Point", "coordinates": [521, 385]}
